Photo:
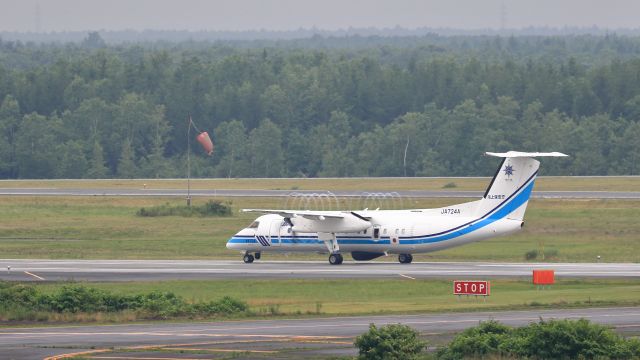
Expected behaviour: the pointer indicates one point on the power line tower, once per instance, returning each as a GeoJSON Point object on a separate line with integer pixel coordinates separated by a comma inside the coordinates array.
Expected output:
{"type": "Point", "coordinates": [503, 16]}
{"type": "Point", "coordinates": [38, 18]}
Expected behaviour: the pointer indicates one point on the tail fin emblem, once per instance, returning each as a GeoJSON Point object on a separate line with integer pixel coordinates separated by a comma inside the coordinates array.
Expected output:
{"type": "Point", "coordinates": [508, 170]}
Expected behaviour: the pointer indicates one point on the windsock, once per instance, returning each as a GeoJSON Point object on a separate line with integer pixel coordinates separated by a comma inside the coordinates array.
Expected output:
{"type": "Point", "coordinates": [204, 140]}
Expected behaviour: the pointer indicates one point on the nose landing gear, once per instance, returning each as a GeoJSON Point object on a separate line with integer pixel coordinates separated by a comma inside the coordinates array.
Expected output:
{"type": "Point", "coordinates": [248, 258]}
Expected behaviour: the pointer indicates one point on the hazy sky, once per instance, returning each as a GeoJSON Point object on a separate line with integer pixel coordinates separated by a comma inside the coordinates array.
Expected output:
{"type": "Point", "coordinates": [60, 15]}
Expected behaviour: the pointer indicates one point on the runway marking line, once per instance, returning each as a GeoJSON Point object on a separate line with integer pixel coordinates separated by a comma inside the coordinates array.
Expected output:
{"type": "Point", "coordinates": [59, 334]}
{"type": "Point", "coordinates": [141, 358]}
{"type": "Point", "coordinates": [34, 275]}
{"type": "Point", "coordinates": [80, 353]}
{"type": "Point", "coordinates": [218, 350]}
{"type": "Point", "coordinates": [407, 276]}
{"type": "Point", "coordinates": [325, 342]}
{"type": "Point", "coordinates": [185, 346]}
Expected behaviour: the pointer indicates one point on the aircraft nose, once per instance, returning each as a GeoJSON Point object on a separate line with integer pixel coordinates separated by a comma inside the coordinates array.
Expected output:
{"type": "Point", "coordinates": [234, 242]}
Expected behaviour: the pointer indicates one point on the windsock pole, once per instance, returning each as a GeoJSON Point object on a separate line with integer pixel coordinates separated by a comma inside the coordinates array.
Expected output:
{"type": "Point", "coordinates": [189, 162]}
{"type": "Point", "coordinates": [204, 140]}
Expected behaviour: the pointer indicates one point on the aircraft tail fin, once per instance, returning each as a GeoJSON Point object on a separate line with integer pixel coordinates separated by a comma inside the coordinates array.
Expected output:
{"type": "Point", "coordinates": [509, 191]}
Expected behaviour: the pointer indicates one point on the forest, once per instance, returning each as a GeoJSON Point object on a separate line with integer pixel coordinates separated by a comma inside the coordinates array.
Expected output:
{"type": "Point", "coordinates": [324, 106]}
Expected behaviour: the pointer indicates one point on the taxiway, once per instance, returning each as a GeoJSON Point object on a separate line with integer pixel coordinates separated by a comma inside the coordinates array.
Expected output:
{"type": "Point", "coordinates": [281, 193]}
{"type": "Point", "coordinates": [300, 338]}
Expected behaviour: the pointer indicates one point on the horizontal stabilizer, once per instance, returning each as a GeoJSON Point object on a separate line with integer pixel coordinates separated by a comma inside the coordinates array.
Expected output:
{"type": "Point", "coordinates": [518, 154]}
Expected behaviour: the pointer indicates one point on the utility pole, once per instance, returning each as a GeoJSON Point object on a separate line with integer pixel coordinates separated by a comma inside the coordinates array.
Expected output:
{"type": "Point", "coordinates": [404, 159]}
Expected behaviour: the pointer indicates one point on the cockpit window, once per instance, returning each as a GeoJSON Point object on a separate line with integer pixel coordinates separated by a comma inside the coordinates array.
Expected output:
{"type": "Point", "coordinates": [254, 225]}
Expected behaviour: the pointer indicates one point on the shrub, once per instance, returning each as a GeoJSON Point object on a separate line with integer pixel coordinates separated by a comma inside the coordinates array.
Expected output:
{"type": "Point", "coordinates": [75, 298]}
{"type": "Point", "coordinates": [450, 185]}
{"type": "Point", "coordinates": [210, 208]}
{"type": "Point", "coordinates": [570, 339]}
{"type": "Point", "coordinates": [481, 340]}
{"type": "Point", "coordinates": [216, 208]}
{"type": "Point", "coordinates": [555, 339]}
{"type": "Point", "coordinates": [18, 295]}
{"type": "Point", "coordinates": [531, 254]}
{"type": "Point", "coordinates": [162, 305]}
{"type": "Point", "coordinates": [23, 302]}
{"type": "Point", "coordinates": [549, 254]}
{"type": "Point", "coordinates": [389, 342]}
{"type": "Point", "coordinates": [225, 306]}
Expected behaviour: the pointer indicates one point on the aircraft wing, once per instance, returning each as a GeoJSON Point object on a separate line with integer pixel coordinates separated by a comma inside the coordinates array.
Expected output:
{"type": "Point", "coordinates": [307, 214]}
{"type": "Point", "coordinates": [321, 221]}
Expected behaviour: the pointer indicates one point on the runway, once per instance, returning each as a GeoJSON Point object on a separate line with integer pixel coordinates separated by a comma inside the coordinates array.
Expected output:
{"type": "Point", "coordinates": [158, 270]}
{"type": "Point", "coordinates": [286, 338]}
{"type": "Point", "coordinates": [281, 193]}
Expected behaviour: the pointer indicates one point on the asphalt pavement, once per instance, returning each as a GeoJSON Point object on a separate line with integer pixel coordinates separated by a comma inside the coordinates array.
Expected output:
{"type": "Point", "coordinates": [262, 338]}
{"type": "Point", "coordinates": [159, 270]}
{"type": "Point", "coordinates": [282, 193]}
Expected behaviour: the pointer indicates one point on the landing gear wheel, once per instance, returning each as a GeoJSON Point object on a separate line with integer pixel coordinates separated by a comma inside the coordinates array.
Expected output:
{"type": "Point", "coordinates": [257, 255]}
{"type": "Point", "coordinates": [405, 258]}
{"type": "Point", "coordinates": [335, 259]}
{"type": "Point", "coordinates": [248, 258]}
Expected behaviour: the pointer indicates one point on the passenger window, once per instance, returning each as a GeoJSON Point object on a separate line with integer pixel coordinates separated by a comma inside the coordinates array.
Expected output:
{"type": "Point", "coordinates": [376, 233]}
{"type": "Point", "coordinates": [365, 231]}
{"type": "Point", "coordinates": [254, 225]}
{"type": "Point", "coordinates": [402, 231]}
{"type": "Point", "coordinates": [397, 231]}
{"type": "Point", "coordinates": [384, 231]}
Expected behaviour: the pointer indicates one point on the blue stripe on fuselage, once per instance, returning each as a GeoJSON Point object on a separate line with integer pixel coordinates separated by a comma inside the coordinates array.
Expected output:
{"type": "Point", "coordinates": [311, 241]}
{"type": "Point", "coordinates": [497, 215]}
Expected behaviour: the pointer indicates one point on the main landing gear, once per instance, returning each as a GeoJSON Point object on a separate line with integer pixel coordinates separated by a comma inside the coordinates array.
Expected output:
{"type": "Point", "coordinates": [335, 259]}
{"type": "Point", "coordinates": [330, 240]}
{"type": "Point", "coordinates": [405, 258]}
{"type": "Point", "coordinates": [248, 258]}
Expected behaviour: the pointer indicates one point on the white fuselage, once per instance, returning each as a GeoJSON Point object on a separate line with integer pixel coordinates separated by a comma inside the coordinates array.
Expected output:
{"type": "Point", "coordinates": [393, 231]}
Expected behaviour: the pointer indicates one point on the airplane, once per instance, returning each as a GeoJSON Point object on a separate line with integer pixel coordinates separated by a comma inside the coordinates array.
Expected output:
{"type": "Point", "coordinates": [369, 234]}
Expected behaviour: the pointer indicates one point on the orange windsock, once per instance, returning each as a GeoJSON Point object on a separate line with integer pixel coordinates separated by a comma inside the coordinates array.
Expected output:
{"type": "Point", "coordinates": [204, 140]}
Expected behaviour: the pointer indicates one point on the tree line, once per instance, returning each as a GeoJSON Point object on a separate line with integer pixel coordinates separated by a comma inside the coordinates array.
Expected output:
{"type": "Point", "coordinates": [414, 106]}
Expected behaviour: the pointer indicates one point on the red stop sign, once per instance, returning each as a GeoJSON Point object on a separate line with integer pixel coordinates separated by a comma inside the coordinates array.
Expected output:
{"type": "Point", "coordinates": [465, 287]}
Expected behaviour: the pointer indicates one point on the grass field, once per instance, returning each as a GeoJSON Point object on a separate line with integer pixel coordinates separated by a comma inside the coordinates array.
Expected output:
{"type": "Point", "coordinates": [359, 297]}
{"type": "Point", "coordinates": [553, 183]}
{"type": "Point", "coordinates": [107, 228]}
